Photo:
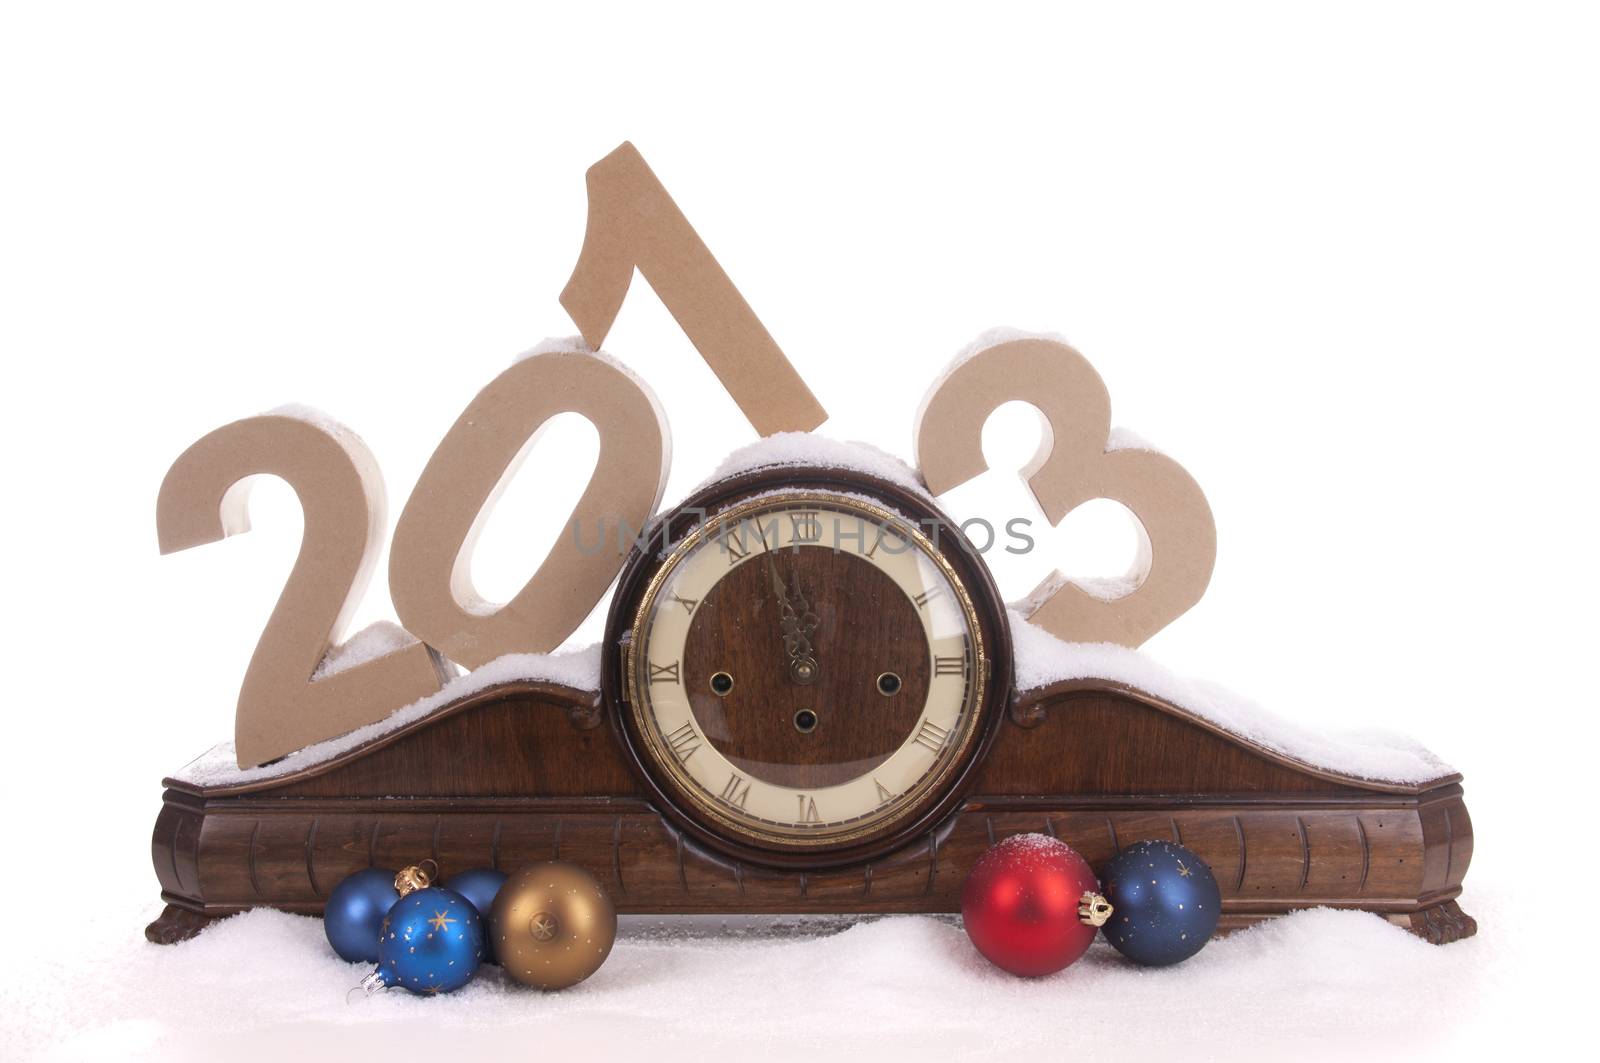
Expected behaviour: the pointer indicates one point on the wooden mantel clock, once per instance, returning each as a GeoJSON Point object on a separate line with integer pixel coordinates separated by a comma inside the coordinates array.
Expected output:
{"type": "Point", "coordinates": [806, 700]}
{"type": "Point", "coordinates": [806, 678]}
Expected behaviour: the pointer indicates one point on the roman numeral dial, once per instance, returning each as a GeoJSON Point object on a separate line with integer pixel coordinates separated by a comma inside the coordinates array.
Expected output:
{"type": "Point", "coordinates": [889, 701]}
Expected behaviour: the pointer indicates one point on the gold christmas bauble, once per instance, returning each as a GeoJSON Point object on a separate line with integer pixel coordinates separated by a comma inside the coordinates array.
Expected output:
{"type": "Point", "coordinates": [552, 925]}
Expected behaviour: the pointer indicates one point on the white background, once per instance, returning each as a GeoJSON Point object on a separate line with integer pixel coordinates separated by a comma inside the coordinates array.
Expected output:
{"type": "Point", "coordinates": [1339, 261]}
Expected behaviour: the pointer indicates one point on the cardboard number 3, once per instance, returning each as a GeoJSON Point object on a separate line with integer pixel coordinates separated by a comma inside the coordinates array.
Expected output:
{"type": "Point", "coordinates": [1074, 464]}
{"type": "Point", "coordinates": [204, 499]}
{"type": "Point", "coordinates": [633, 223]}
{"type": "Point", "coordinates": [431, 556]}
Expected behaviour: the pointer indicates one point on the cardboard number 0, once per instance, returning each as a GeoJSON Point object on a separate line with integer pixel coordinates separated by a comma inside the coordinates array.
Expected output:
{"type": "Point", "coordinates": [204, 499]}
{"type": "Point", "coordinates": [430, 559]}
{"type": "Point", "coordinates": [1074, 465]}
{"type": "Point", "coordinates": [633, 223]}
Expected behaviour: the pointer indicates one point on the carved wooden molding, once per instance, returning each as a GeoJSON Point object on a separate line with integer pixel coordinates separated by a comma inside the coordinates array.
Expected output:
{"type": "Point", "coordinates": [1029, 708]}
{"type": "Point", "coordinates": [546, 789]}
{"type": "Point", "coordinates": [582, 711]}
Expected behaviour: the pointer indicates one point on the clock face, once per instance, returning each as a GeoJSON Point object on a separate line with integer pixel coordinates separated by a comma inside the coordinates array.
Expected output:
{"type": "Point", "coordinates": [806, 670]}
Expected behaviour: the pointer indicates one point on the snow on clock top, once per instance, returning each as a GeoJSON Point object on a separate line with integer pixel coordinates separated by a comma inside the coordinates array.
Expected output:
{"type": "Point", "coordinates": [1040, 660]}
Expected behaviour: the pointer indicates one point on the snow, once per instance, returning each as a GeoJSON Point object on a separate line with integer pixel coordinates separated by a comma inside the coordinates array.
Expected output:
{"type": "Point", "coordinates": [312, 416]}
{"type": "Point", "coordinates": [1128, 439]}
{"type": "Point", "coordinates": [809, 448]}
{"type": "Point", "coordinates": [342, 433]}
{"type": "Point", "coordinates": [576, 345]}
{"type": "Point", "coordinates": [576, 668]}
{"type": "Point", "coordinates": [1042, 659]}
{"type": "Point", "coordinates": [265, 985]}
{"type": "Point", "coordinates": [1105, 588]}
{"type": "Point", "coordinates": [371, 642]}
{"type": "Point", "coordinates": [994, 337]}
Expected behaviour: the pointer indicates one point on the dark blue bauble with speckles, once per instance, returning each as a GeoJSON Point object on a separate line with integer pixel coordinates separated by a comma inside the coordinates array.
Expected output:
{"type": "Point", "coordinates": [480, 885]}
{"type": "Point", "coordinates": [430, 942]}
{"type": "Point", "coordinates": [354, 911]}
{"type": "Point", "coordinates": [1165, 903]}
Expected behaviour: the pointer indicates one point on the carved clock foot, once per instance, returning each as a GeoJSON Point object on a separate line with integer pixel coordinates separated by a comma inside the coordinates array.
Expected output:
{"type": "Point", "coordinates": [176, 924]}
{"type": "Point", "coordinates": [1443, 923]}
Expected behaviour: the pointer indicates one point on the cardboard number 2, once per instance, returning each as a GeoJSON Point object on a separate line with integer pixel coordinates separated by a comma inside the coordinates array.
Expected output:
{"type": "Point", "coordinates": [204, 499]}
{"type": "Point", "coordinates": [431, 557]}
{"type": "Point", "coordinates": [1075, 464]}
{"type": "Point", "coordinates": [633, 223]}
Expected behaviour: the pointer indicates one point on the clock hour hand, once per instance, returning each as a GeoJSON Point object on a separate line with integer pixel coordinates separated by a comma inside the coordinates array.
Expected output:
{"type": "Point", "coordinates": [797, 621]}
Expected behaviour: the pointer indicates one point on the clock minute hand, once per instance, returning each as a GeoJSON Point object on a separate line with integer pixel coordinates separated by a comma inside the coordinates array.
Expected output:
{"type": "Point", "coordinates": [797, 621]}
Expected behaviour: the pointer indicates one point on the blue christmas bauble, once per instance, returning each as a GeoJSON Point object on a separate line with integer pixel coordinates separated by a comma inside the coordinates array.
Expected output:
{"type": "Point", "coordinates": [355, 910]}
{"type": "Point", "coordinates": [480, 886]}
{"type": "Point", "coordinates": [431, 942]}
{"type": "Point", "coordinates": [1165, 903]}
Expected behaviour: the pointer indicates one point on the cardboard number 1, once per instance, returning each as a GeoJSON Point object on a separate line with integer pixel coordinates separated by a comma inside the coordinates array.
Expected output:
{"type": "Point", "coordinates": [1075, 465]}
{"type": "Point", "coordinates": [204, 499]}
{"type": "Point", "coordinates": [633, 223]}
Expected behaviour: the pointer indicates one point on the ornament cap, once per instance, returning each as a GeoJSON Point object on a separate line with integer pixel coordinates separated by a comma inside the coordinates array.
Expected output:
{"type": "Point", "coordinates": [1093, 909]}
{"type": "Point", "coordinates": [416, 877]}
{"type": "Point", "coordinates": [372, 983]}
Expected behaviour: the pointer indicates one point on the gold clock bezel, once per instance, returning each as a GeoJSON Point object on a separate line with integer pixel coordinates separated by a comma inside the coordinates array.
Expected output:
{"type": "Point", "coordinates": [953, 758]}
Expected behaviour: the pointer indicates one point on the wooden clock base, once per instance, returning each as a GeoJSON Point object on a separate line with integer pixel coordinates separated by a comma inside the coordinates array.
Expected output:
{"type": "Point", "coordinates": [1095, 764]}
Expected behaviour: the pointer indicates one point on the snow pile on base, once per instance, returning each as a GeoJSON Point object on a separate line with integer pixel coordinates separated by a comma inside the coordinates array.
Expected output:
{"type": "Point", "coordinates": [1042, 659]}
{"type": "Point", "coordinates": [577, 668]}
{"type": "Point", "coordinates": [265, 985]}
{"type": "Point", "coordinates": [373, 641]}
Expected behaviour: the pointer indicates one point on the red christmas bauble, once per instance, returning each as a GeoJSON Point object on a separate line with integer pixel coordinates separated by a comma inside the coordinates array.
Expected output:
{"type": "Point", "coordinates": [1024, 905]}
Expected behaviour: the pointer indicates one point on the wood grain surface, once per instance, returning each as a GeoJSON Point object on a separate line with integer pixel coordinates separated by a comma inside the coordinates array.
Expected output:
{"type": "Point", "coordinates": [518, 774]}
{"type": "Point", "coordinates": [867, 626]}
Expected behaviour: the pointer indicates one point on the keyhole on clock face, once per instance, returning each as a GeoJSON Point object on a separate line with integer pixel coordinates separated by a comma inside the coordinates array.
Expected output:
{"type": "Point", "coordinates": [888, 684]}
{"type": "Point", "coordinates": [805, 721]}
{"type": "Point", "coordinates": [721, 684]}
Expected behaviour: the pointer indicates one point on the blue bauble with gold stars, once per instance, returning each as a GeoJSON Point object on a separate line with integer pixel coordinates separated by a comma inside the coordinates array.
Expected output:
{"type": "Point", "coordinates": [1165, 903]}
{"type": "Point", "coordinates": [430, 942]}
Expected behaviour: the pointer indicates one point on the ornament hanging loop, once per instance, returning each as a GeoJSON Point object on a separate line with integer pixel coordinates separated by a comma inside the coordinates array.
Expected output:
{"type": "Point", "coordinates": [416, 877]}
